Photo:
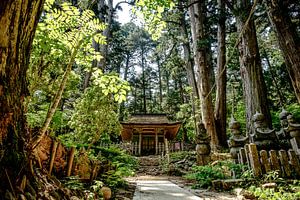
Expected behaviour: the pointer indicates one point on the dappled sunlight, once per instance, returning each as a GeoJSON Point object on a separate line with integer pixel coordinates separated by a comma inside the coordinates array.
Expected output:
{"type": "Point", "coordinates": [161, 189]}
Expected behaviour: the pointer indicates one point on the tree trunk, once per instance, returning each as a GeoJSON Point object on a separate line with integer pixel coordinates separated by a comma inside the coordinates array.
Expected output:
{"type": "Point", "coordinates": [37, 138]}
{"type": "Point", "coordinates": [197, 15]}
{"type": "Point", "coordinates": [274, 80]}
{"type": "Point", "coordinates": [18, 21]}
{"type": "Point", "coordinates": [189, 63]}
{"type": "Point", "coordinates": [107, 34]}
{"type": "Point", "coordinates": [144, 81]}
{"type": "Point", "coordinates": [160, 84]}
{"type": "Point", "coordinates": [220, 106]}
{"type": "Point", "coordinates": [122, 106]}
{"type": "Point", "coordinates": [288, 39]}
{"type": "Point", "coordinates": [189, 66]}
{"type": "Point", "coordinates": [254, 87]}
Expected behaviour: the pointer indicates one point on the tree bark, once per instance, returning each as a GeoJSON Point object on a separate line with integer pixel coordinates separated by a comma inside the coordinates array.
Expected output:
{"type": "Point", "coordinates": [160, 84]}
{"type": "Point", "coordinates": [274, 80]}
{"type": "Point", "coordinates": [254, 86]}
{"type": "Point", "coordinates": [197, 15]}
{"type": "Point", "coordinates": [189, 66]}
{"type": "Point", "coordinates": [126, 69]}
{"type": "Point", "coordinates": [18, 21]}
{"type": "Point", "coordinates": [220, 106]}
{"type": "Point", "coordinates": [288, 39]}
{"type": "Point", "coordinates": [143, 80]}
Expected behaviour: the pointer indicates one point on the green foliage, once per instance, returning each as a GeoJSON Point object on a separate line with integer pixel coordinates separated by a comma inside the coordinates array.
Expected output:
{"type": "Point", "coordinates": [180, 155]}
{"type": "Point", "coordinates": [152, 13]}
{"type": "Point", "coordinates": [74, 183]}
{"type": "Point", "coordinates": [285, 192]}
{"type": "Point", "coordinates": [185, 115]}
{"type": "Point", "coordinates": [293, 108]}
{"type": "Point", "coordinates": [64, 32]}
{"type": "Point", "coordinates": [96, 111]}
{"type": "Point", "coordinates": [204, 175]}
{"type": "Point", "coordinates": [123, 165]}
{"type": "Point", "coordinates": [248, 174]}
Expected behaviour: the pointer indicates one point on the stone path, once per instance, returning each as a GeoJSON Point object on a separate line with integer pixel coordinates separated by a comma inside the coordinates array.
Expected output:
{"type": "Point", "coordinates": [161, 190]}
{"type": "Point", "coordinates": [170, 188]}
{"type": "Point", "coordinates": [152, 184]}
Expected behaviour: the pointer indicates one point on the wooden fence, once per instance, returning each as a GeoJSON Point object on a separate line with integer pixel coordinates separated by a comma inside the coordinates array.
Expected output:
{"type": "Point", "coordinates": [261, 162]}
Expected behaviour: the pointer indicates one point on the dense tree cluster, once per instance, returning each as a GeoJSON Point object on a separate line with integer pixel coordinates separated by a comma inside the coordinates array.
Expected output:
{"type": "Point", "coordinates": [73, 71]}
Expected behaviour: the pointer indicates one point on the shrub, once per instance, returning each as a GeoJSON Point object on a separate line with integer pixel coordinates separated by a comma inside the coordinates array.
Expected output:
{"type": "Point", "coordinates": [204, 175]}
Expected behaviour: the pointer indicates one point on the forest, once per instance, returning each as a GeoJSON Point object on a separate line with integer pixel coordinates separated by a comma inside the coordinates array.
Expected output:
{"type": "Point", "coordinates": [71, 71]}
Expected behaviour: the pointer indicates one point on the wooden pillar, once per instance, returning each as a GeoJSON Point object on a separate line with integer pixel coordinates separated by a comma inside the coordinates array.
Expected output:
{"type": "Point", "coordinates": [156, 142]}
{"type": "Point", "coordinates": [70, 162]}
{"type": "Point", "coordinates": [167, 150]}
{"type": "Point", "coordinates": [53, 153]}
{"type": "Point", "coordinates": [140, 143]}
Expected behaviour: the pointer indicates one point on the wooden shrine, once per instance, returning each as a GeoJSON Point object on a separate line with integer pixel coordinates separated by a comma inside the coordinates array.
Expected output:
{"type": "Point", "coordinates": [149, 133]}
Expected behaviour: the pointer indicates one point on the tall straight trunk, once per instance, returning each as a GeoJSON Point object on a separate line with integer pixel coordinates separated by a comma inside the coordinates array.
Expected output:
{"type": "Point", "coordinates": [181, 92]}
{"type": "Point", "coordinates": [135, 98]}
{"type": "Point", "coordinates": [102, 8]}
{"type": "Point", "coordinates": [122, 106]}
{"type": "Point", "coordinates": [197, 15]}
{"type": "Point", "coordinates": [274, 80]}
{"type": "Point", "coordinates": [254, 86]}
{"type": "Point", "coordinates": [108, 18]}
{"type": "Point", "coordinates": [189, 63]}
{"type": "Point", "coordinates": [168, 83]}
{"type": "Point", "coordinates": [160, 84]}
{"type": "Point", "coordinates": [144, 81]}
{"type": "Point", "coordinates": [107, 34]}
{"type": "Point", "coordinates": [18, 21]}
{"type": "Point", "coordinates": [189, 66]}
{"type": "Point", "coordinates": [288, 39]}
{"type": "Point", "coordinates": [220, 106]}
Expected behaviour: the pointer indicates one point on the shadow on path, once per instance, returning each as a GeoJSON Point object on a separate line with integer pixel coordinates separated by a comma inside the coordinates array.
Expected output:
{"type": "Point", "coordinates": [161, 190]}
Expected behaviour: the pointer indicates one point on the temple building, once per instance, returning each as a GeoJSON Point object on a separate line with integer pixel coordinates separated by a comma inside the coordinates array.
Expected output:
{"type": "Point", "coordinates": [149, 133]}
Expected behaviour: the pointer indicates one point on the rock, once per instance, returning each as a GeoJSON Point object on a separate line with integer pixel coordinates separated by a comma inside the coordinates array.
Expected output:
{"type": "Point", "coordinates": [238, 191]}
{"type": "Point", "coordinates": [248, 195]}
{"type": "Point", "coordinates": [22, 197]}
{"type": "Point", "coordinates": [269, 185]}
{"type": "Point", "coordinates": [217, 184]}
{"type": "Point", "coordinates": [231, 183]}
{"type": "Point", "coordinates": [74, 198]}
{"type": "Point", "coordinates": [106, 191]}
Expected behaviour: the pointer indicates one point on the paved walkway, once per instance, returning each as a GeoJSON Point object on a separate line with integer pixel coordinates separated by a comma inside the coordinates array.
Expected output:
{"type": "Point", "coordinates": [161, 190]}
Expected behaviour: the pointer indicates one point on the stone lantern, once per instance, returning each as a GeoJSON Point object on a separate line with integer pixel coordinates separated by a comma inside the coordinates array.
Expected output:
{"type": "Point", "coordinates": [264, 137]}
{"type": "Point", "coordinates": [202, 147]}
{"type": "Point", "coordinates": [237, 140]}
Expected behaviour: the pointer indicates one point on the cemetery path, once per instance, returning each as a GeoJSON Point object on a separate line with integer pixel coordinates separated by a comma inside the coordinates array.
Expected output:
{"type": "Point", "coordinates": [160, 189]}
{"type": "Point", "coordinates": [153, 184]}
{"type": "Point", "coordinates": [166, 188]}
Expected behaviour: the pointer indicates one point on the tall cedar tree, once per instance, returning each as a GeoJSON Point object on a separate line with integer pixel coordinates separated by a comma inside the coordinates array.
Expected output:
{"type": "Point", "coordinates": [254, 86]}
{"type": "Point", "coordinates": [200, 46]}
{"type": "Point", "coordinates": [220, 106]}
{"type": "Point", "coordinates": [18, 21]}
{"type": "Point", "coordinates": [288, 38]}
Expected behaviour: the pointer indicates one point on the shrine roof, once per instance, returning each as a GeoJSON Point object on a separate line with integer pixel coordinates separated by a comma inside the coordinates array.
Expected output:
{"type": "Point", "coordinates": [149, 124]}
{"type": "Point", "coordinates": [148, 119]}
